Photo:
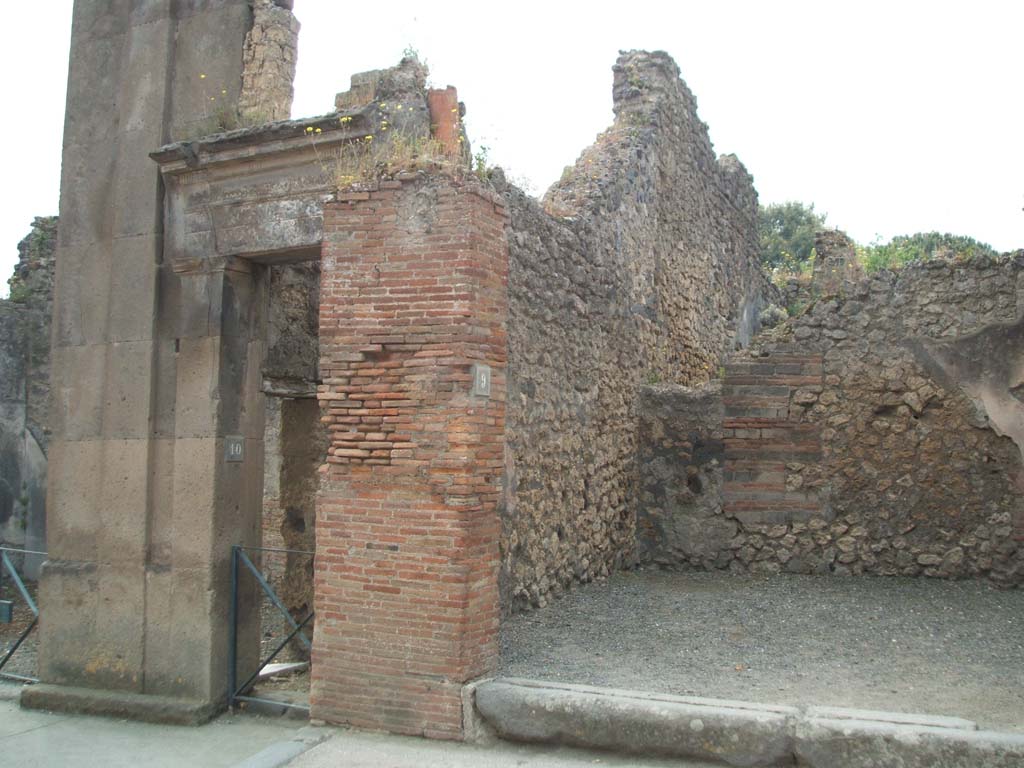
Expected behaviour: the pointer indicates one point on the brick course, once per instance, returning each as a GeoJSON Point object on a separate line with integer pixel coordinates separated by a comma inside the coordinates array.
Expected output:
{"type": "Point", "coordinates": [414, 292]}
{"type": "Point", "coordinates": [763, 431]}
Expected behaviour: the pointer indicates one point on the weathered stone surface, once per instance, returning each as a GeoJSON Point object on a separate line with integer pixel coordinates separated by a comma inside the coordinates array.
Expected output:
{"type": "Point", "coordinates": [134, 593]}
{"type": "Point", "coordinates": [823, 742]}
{"type": "Point", "coordinates": [610, 288]}
{"type": "Point", "coordinates": [268, 64]}
{"type": "Point", "coordinates": [918, 418]}
{"type": "Point", "coordinates": [25, 391]}
{"type": "Point", "coordinates": [878, 429]}
{"type": "Point", "coordinates": [681, 459]}
{"type": "Point", "coordinates": [734, 733]}
{"type": "Point", "coordinates": [90, 701]}
{"type": "Point", "coordinates": [835, 263]}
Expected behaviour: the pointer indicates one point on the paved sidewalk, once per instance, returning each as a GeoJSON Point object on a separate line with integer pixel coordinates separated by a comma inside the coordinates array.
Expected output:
{"type": "Point", "coordinates": [355, 749]}
{"type": "Point", "coordinates": [30, 739]}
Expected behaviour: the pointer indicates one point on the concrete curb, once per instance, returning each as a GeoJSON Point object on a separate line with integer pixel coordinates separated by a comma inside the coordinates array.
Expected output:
{"type": "Point", "coordinates": [734, 732]}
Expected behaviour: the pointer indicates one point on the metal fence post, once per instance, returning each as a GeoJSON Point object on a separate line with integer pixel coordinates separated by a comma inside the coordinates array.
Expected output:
{"type": "Point", "coordinates": [233, 635]}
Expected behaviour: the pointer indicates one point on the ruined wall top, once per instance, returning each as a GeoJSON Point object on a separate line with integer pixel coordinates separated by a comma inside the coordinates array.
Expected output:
{"type": "Point", "coordinates": [407, 80]}
{"type": "Point", "coordinates": [268, 63]}
{"type": "Point", "coordinates": [835, 262]}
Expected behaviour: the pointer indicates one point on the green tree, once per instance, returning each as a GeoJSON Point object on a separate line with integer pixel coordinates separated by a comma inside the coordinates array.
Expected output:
{"type": "Point", "coordinates": [787, 234]}
{"type": "Point", "coordinates": [922, 246]}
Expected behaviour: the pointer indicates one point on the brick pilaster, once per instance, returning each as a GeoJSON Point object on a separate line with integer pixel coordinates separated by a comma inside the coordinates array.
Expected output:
{"type": "Point", "coordinates": [413, 295]}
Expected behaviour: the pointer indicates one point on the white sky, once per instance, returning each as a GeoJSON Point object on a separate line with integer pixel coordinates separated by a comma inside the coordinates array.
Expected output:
{"type": "Point", "coordinates": [891, 117]}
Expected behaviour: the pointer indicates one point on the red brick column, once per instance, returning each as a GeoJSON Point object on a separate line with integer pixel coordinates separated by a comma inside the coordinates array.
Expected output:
{"type": "Point", "coordinates": [413, 296]}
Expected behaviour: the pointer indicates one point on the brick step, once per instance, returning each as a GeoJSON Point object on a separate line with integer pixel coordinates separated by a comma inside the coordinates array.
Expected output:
{"type": "Point", "coordinates": [757, 475]}
{"type": "Point", "coordinates": [768, 371]}
{"type": "Point", "coordinates": [730, 391]}
{"type": "Point", "coordinates": [756, 422]}
{"type": "Point", "coordinates": [795, 431]}
{"type": "Point", "coordinates": [772, 413]}
{"type": "Point", "coordinates": [785, 352]}
{"type": "Point", "coordinates": [758, 398]}
{"type": "Point", "coordinates": [769, 498]}
{"type": "Point", "coordinates": [791, 380]}
{"type": "Point", "coordinates": [772, 449]}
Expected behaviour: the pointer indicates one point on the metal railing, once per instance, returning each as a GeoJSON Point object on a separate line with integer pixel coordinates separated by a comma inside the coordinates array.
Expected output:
{"type": "Point", "coordinates": [7, 565]}
{"type": "Point", "coordinates": [236, 692]}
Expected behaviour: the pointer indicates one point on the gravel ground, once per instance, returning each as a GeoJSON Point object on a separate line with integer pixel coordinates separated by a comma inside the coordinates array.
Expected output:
{"type": "Point", "coordinates": [23, 662]}
{"type": "Point", "coordinates": [897, 644]}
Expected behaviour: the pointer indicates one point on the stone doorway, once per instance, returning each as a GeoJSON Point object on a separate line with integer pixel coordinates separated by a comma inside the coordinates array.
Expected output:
{"type": "Point", "coordinates": [295, 445]}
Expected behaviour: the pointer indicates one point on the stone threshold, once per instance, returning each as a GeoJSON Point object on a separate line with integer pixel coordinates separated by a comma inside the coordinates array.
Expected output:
{"type": "Point", "coordinates": [734, 733]}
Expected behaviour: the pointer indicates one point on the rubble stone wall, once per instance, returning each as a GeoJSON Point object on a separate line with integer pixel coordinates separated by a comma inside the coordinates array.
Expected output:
{"type": "Point", "coordinates": [25, 389]}
{"type": "Point", "coordinates": [640, 266]}
{"type": "Point", "coordinates": [912, 460]}
{"type": "Point", "coordinates": [268, 63]}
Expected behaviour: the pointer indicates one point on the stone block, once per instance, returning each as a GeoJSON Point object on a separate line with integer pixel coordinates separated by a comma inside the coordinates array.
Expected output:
{"type": "Point", "coordinates": [736, 733]}
{"type": "Point", "coordinates": [127, 390]}
{"type": "Point", "coordinates": [133, 288]}
{"type": "Point", "coordinates": [81, 294]}
{"type": "Point", "coordinates": [93, 87]}
{"type": "Point", "coordinates": [123, 502]}
{"type": "Point", "coordinates": [98, 500]}
{"type": "Point", "coordinates": [195, 498]}
{"type": "Point", "coordinates": [91, 629]}
{"type": "Point", "coordinates": [179, 631]}
{"type": "Point", "coordinates": [78, 375]}
{"type": "Point", "coordinates": [136, 206]}
{"type": "Point", "coordinates": [85, 192]}
{"type": "Point", "coordinates": [74, 498]}
{"type": "Point", "coordinates": [142, 90]}
{"type": "Point", "coordinates": [202, 39]}
{"type": "Point", "coordinates": [197, 397]}
{"type": "Point", "coordinates": [161, 513]}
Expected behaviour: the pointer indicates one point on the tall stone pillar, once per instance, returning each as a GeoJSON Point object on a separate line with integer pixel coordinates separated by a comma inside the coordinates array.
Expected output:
{"type": "Point", "coordinates": [151, 370]}
{"type": "Point", "coordinates": [413, 309]}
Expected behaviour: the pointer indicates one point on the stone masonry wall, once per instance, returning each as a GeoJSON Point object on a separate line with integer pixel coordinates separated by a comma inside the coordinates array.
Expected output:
{"type": "Point", "coordinates": [681, 453]}
{"type": "Point", "coordinates": [268, 63]}
{"type": "Point", "coordinates": [640, 266]}
{"type": "Point", "coordinates": [25, 389]}
{"type": "Point", "coordinates": [295, 444]}
{"type": "Point", "coordinates": [883, 458]}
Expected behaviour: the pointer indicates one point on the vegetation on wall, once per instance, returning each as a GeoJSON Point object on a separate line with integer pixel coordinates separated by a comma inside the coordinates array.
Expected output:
{"type": "Point", "coordinates": [922, 246]}
{"type": "Point", "coordinates": [787, 244]}
{"type": "Point", "coordinates": [787, 235]}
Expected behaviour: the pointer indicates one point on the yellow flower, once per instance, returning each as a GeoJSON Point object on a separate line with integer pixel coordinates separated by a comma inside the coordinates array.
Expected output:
{"type": "Point", "coordinates": [398, 107]}
{"type": "Point", "coordinates": [368, 138]}
{"type": "Point", "coordinates": [319, 131]}
{"type": "Point", "coordinates": [309, 129]}
{"type": "Point", "coordinates": [223, 90]}
{"type": "Point", "coordinates": [202, 76]}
